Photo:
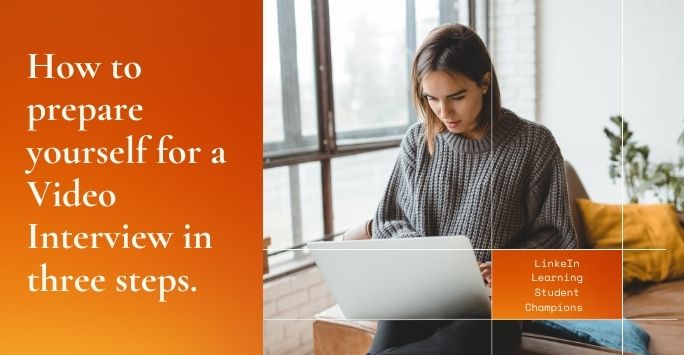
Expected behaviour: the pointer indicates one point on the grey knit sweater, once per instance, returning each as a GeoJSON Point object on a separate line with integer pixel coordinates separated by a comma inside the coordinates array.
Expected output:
{"type": "Point", "coordinates": [508, 191]}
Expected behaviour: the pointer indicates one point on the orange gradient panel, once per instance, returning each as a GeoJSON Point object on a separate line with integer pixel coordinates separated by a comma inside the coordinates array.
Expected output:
{"type": "Point", "coordinates": [557, 284]}
{"type": "Point", "coordinates": [200, 83]}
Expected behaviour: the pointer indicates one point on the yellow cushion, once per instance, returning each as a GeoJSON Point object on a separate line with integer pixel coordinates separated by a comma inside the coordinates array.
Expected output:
{"type": "Point", "coordinates": [645, 227]}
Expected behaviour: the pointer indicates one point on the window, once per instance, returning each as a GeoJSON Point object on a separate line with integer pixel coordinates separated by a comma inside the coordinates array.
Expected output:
{"type": "Point", "coordinates": [336, 102]}
{"type": "Point", "coordinates": [370, 68]}
{"type": "Point", "coordinates": [289, 86]}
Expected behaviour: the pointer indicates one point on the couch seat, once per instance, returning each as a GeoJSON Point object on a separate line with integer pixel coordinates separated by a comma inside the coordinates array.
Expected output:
{"type": "Point", "coordinates": [663, 300]}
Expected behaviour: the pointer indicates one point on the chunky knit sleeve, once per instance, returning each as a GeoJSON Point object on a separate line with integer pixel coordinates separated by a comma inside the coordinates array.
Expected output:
{"type": "Point", "coordinates": [548, 209]}
{"type": "Point", "coordinates": [393, 216]}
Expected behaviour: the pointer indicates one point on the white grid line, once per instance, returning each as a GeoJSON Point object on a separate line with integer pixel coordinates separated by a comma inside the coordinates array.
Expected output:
{"type": "Point", "coordinates": [482, 319]}
{"type": "Point", "coordinates": [479, 249]}
{"type": "Point", "coordinates": [622, 185]}
{"type": "Point", "coordinates": [491, 164]}
{"type": "Point", "coordinates": [622, 197]}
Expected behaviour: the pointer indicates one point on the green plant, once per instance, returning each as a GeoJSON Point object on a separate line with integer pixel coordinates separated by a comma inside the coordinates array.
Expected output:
{"type": "Point", "coordinates": [669, 185]}
{"type": "Point", "coordinates": [664, 180]}
{"type": "Point", "coordinates": [634, 160]}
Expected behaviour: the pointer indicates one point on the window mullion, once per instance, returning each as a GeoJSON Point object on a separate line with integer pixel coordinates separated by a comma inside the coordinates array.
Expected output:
{"type": "Point", "coordinates": [411, 48]}
{"type": "Point", "coordinates": [472, 20]}
{"type": "Point", "coordinates": [287, 38]}
{"type": "Point", "coordinates": [326, 123]}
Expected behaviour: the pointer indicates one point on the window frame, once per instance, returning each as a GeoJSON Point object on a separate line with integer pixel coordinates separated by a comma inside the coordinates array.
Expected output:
{"type": "Point", "coordinates": [327, 138]}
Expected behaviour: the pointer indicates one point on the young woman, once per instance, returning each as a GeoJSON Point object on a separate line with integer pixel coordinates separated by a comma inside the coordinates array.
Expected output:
{"type": "Point", "coordinates": [469, 168]}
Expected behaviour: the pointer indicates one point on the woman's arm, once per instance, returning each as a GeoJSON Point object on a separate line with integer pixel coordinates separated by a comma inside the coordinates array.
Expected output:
{"type": "Point", "coordinates": [550, 224]}
{"type": "Point", "coordinates": [393, 216]}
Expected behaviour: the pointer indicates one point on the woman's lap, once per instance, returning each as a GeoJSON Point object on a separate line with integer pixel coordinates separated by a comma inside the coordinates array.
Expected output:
{"type": "Point", "coordinates": [445, 337]}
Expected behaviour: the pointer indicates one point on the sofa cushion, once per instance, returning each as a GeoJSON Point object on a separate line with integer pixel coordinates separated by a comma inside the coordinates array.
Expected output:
{"type": "Point", "coordinates": [535, 344]}
{"type": "Point", "coordinates": [642, 227]}
{"type": "Point", "coordinates": [605, 333]}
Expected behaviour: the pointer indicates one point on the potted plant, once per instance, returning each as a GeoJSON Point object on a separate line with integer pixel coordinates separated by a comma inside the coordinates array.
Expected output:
{"type": "Point", "coordinates": [629, 162]}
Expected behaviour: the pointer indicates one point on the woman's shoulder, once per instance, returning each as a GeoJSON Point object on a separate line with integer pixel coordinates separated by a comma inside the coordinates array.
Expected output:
{"type": "Point", "coordinates": [531, 132]}
{"type": "Point", "coordinates": [412, 145]}
{"type": "Point", "coordinates": [537, 143]}
{"type": "Point", "coordinates": [414, 135]}
{"type": "Point", "coordinates": [416, 130]}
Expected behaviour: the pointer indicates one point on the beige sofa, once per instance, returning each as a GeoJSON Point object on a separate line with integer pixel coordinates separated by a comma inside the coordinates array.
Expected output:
{"type": "Point", "coordinates": [333, 334]}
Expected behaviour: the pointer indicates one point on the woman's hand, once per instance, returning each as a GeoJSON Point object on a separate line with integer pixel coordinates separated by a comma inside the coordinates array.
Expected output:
{"type": "Point", "coordinates": [486, 271]}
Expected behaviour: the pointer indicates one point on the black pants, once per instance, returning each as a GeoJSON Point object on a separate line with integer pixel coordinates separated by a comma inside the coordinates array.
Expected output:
{"type": "Point", "coordinates": [441, 337]}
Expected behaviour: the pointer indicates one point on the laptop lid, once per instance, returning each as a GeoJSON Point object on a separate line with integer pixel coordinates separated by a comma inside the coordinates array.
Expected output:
{"type": "Point", "coordinates": [407, 278]}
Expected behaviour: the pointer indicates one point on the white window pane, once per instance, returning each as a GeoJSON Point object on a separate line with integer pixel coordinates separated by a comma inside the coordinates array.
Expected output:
{"type": "Point", "coordinates": [481, 19]}
{"type": "Point", "coordinates": [292, 206]}
{"type": "Point", "coordinates": [272, 89]}
{"type": "Point", "coordinates": [312, 201]}
{"type": "Point", "coordinates": [307, 69]}
{"type": "Point", "coordinates": [427, 18]}
{"type": "Point", "coordinates": [358, 184]}
{"type": "Point", "coordinates": [370, 71]}
{"type": "Point", "coordinates": [289, 85]}
{"type": "Point", "coordinates": [276, 208]}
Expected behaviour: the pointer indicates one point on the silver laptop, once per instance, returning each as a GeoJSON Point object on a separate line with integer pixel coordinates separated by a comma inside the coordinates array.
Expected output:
{"type": "Point", "coordinates": [410, 278]}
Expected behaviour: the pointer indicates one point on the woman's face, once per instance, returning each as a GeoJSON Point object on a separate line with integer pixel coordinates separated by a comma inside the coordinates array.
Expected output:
{"type": "Point", "coordinates": [456, 101]}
